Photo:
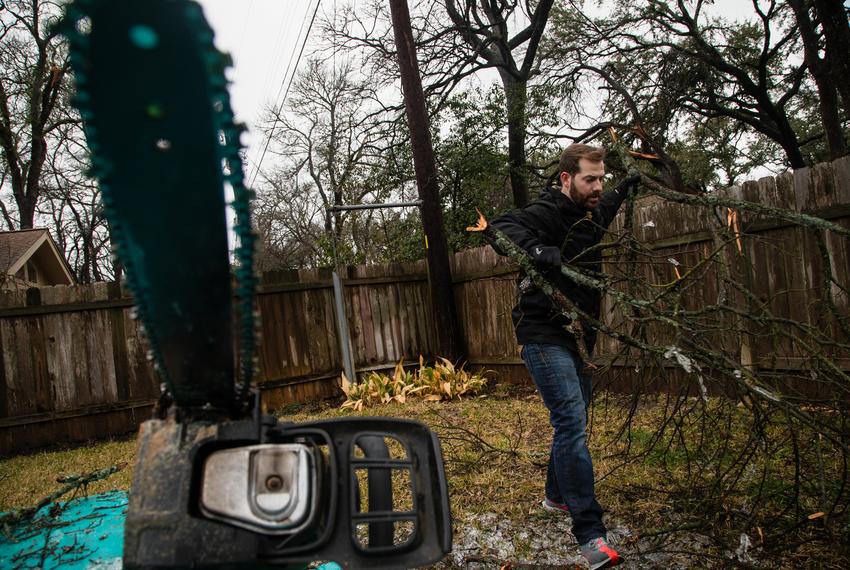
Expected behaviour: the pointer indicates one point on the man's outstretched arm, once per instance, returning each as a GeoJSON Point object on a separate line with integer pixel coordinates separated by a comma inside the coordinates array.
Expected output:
{"type": "Point", "coordinates": [611, 201]}
{"type": "Point", "coordinates": [523, 227]}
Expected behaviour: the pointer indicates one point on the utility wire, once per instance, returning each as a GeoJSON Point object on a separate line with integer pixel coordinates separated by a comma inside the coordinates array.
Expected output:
{"type": "Point", "coordinates": [277, 51]}
{"type": "Point", "coordinates": [245, 26]}
{"type": "Point", "coordinates": [283, 82]}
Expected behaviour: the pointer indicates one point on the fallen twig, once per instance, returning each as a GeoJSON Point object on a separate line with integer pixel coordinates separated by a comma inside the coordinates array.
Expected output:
{"type": "Point", "coordinates": [70, 483]}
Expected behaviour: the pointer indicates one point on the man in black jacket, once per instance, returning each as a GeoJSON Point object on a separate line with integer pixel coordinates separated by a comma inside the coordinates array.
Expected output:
{"type": "Point", "coordinates": [565, 225]}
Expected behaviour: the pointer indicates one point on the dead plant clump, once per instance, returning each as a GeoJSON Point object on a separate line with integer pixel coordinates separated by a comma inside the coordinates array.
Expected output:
{"type": "Point", "coordinates": [687, 482]}
{"type": "Point", "coordinates": [442, 381]}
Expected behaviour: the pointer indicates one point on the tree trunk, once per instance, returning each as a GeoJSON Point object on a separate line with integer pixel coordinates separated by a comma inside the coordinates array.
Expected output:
{"type": "Point", "coordinates": [117, 265]}
{"type": "Point", "coordinates": [449, 338]}
{"type": "Point", "coordinates": [827, 91]}
{"type": "Point", "coordinates": [337, 216]}
{"type": "Point", "coordinates": [84, 272]}
{"type": "Point", "coordinates": [836, 31]}
{"type": "Point", "coordinates": [26, 210]}
{"type": "Point", "coordinates": [515, 102]}
{"type": "Point", "coordinates": [830, 118]}
{"type": "Point", "coordinates": [785, 136]}
{"type": "Point", "coordinates": [792, 152]}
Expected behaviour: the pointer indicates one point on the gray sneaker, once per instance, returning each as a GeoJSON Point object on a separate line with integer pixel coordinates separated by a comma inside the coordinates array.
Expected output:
{"type": "Point", "coordinates": [599, 554]}
{"type": "Point", "coordinates": [551, 505]}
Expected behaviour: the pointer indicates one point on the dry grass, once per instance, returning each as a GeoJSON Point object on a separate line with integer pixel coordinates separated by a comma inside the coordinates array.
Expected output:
{"type": "Point", "coordinates": [512, 435]}
{"type": "Point", "coordinates": [25, 479]}
{"type": "Point", "coordinates": [495, 448]}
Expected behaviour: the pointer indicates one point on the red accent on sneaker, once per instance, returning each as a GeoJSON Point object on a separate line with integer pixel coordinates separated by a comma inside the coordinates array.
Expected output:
{"type": "Point", "coordinates": [553, 506]}
{"type": "Point", "coordinates": [599, 554]}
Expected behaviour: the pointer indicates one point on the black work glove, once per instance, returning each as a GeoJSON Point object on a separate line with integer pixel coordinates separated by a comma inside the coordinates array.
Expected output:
{"type": "Point", "coordinates": [546, 256]}
{"type": "Point", "coordinates": [630, 183]}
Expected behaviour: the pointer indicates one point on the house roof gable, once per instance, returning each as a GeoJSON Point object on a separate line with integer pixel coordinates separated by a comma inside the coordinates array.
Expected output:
{"type": "Point", "coordinates": [14, 246]}
{"type": "Point", "coordinates": [17, 247]}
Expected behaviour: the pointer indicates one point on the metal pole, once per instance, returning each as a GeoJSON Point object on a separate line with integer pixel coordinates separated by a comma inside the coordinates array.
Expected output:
{"type": "Point", "coordinates": [346, 207]}
{"type": "Point", "coordinates": [342, 329]}
{"type": "Point", "coordinates": [339, 299]}
{"type": "Point", "coordinates": [341, 320]}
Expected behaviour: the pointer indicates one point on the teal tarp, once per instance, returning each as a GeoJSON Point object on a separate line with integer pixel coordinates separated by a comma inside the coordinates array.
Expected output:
{"type": "Point", "coordinates": [81, 534]}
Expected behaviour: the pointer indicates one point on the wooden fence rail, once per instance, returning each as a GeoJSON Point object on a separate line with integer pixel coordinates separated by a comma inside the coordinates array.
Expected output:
{"type": "Point", "coordinates": [73, 364]}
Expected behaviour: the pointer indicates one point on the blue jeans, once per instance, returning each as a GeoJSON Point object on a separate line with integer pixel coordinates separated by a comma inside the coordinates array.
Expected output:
{"type": "Point", "coordinates": [566, 393]}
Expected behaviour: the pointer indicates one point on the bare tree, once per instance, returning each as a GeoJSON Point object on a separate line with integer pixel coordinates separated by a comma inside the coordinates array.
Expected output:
{"type": "Point", "coordinates": [325, 133]}
{"type": "Point", "coordinates": [34, 90]}
{"type": "Point", "coordinates": [44, 154]}
{"type": "Point", "coordinates": [484, 27]}
{"type": "Point", "coordinates": [334, 145]}
{"type": "Point", "coordinates": [290, 223]}
{"type": "Point", "coordinates": [455, 40]}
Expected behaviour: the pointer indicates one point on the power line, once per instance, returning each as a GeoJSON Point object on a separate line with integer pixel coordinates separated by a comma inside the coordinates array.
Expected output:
{"type": "Point", "coordinates": [283, 82]}
{"type": "Point", "coordinates": [278, 51]}
{"type": "Point", "coordinates": [245, 26]}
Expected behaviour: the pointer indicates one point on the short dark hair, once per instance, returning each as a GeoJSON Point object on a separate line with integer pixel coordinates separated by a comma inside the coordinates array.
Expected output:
{"type": "Point", "coordinates": [575, 152]}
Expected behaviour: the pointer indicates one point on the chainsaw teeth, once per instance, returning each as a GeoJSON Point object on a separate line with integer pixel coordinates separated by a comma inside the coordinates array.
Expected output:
{"type": "Point", "coordinates": [81, 16]}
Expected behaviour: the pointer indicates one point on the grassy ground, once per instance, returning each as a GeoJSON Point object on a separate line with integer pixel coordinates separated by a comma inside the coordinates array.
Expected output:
{"type": "Point", "coordinates": [660, 486]}
{"type": "Point", "coordinates": [25, 479]}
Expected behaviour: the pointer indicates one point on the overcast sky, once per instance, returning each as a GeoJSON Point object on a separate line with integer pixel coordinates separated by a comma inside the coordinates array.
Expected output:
{"type": "Point", "coordinates": [263, 38]}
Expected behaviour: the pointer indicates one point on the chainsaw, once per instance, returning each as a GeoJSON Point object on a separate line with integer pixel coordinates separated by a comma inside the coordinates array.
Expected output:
{"type": "Point", "coordinates": [217, 482]}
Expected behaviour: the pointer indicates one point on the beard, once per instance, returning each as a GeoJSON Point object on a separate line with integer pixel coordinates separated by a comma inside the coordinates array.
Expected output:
{"type": "Point", "coordinates": [583, 201]}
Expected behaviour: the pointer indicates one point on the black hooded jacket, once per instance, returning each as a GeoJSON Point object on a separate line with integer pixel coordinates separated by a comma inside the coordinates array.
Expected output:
{"type": "Point", "coordinates": [554, 219]}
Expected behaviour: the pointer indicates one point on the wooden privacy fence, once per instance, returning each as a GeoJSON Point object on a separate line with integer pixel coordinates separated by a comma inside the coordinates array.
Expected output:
{"type": "Point", "coordinates": [73, 365]}
{"type": "Point", "coordinates": [778, 265]}
{"type": "Point", "coordinates": [389, 319]}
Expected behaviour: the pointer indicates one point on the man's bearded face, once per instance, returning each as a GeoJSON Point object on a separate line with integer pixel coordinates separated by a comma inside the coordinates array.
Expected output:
{"type": "Point", "coordinates": [584, 188]}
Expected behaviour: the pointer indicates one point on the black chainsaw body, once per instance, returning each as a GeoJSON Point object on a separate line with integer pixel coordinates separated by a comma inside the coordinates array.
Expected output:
{"type": "Point", "coordinates": [381, 496]}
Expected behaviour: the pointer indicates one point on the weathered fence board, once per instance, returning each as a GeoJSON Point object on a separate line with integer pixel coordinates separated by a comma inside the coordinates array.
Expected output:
{"type": "Point", "coordinates": [73, 363]}
{"type": "Point", "coordinates": [73, 366]}
{"type": "Point", "coordinates": [299, 350]}
{"type": "Point", "coordinates": [781, 267]}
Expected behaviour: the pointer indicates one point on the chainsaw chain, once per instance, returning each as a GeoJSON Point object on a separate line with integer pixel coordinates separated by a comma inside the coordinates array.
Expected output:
{"type": "Point", "coordinates": [76, 25]}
